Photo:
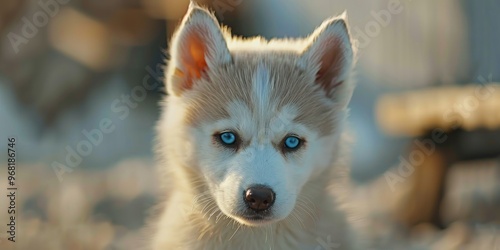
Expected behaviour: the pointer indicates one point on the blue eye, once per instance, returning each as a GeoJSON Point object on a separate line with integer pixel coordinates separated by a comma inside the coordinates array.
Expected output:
{"type": "Point", "coordinates": [292, 142]}
{"type": "Point", "coordinates": [228, 138]}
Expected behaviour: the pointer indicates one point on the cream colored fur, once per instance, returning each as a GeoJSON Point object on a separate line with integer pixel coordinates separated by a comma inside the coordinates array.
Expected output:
{"type": "Point", "coordinates": [264, 90]}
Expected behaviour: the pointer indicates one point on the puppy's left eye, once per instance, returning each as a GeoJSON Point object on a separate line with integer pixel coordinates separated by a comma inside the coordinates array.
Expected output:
{"type": "Point", "coordinates": [228, 138]}
{"type": "Point", "coordinates": [292, 143]}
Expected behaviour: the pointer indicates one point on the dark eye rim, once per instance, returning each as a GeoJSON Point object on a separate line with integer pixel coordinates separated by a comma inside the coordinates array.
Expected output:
{"type": "Point", "coordinates": [287, 149]}
{"type": "Point", "coordinates": [217, 138]}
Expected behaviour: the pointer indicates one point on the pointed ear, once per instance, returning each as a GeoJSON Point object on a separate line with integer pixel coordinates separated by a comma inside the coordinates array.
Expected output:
{"type": "Point", "coordinates": [197, 46]}
{"type": "Point", "coordinates": [330, 55]}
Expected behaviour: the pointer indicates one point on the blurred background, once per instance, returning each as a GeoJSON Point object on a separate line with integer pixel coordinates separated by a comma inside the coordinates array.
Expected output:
{"type": "Point", "coordinates": [80, 82]}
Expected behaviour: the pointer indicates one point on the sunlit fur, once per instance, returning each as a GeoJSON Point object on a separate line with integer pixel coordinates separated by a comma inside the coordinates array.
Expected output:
{"type": "Point", "coordinates": [264, 91]}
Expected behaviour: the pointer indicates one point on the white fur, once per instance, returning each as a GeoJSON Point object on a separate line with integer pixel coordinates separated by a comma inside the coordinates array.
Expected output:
{"type": "Point", "coordinates": [261, 91]}
{"type": "Point", "coordinates": [205, 182]}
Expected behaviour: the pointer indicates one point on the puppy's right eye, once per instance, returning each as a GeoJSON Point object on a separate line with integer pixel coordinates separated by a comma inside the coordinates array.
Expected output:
{"type": "Point", "coordinates": [227, 139]}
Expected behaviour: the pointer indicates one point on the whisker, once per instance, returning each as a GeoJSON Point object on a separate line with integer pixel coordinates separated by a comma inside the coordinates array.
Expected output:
{"type": "Point", "coordinates": [235, 232]}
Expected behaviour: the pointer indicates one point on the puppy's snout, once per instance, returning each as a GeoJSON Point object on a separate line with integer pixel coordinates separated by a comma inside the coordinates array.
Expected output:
{"type": "Point", "coordinates": [259, 197]}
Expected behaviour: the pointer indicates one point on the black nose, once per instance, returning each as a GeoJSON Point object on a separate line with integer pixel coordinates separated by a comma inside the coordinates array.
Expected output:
{"type": "Point", "coordinates": [259, 197]}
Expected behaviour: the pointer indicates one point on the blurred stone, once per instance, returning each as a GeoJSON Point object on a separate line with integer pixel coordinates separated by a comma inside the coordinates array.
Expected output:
{"type": "Point", "coordinates": [90, 236]}
{"type": "Point", "coordinates": [94, 184]}
{"type": "Point", "coordinates": [130, 241]}
{"type": "Point", "coordinates": [82, 38]}
{"type": "Point", "coordinates": [129, 214]}
{"type": "Point", "coordinates": [35, 180]}
{"type": "Point", "coordinates": [129, 179]}
{"type": "Point", "coordinates": [30, 229]}
{"type": "Point", "coordinates": [35, 207]}
{"type": "Point", "coordinates": [68, 205]}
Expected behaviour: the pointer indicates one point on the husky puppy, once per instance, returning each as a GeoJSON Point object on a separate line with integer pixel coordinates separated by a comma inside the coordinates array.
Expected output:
{"type": "Point", "coordinates": [250, 139]}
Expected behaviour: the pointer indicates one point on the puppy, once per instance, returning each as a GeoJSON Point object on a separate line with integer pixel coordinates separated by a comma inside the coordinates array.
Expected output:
{"type": "Point", "coordinates": [250, 139]}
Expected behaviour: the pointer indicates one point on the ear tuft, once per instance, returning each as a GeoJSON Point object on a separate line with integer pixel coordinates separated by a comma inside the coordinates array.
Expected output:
{"type": "Point", "coordinates": [193, 4]}
{"type": "Point", "coordinates": [330, 55]}
{"type": "Point", "coordinates": [197, 46]}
